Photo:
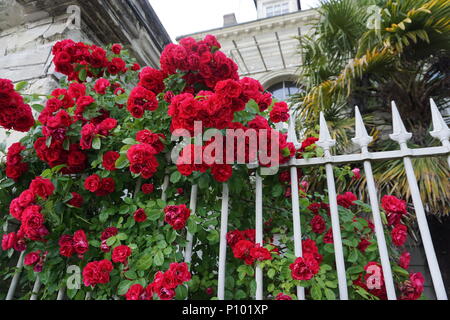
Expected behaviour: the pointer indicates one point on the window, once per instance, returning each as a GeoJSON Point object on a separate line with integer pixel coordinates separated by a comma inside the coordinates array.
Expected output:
{"type": "Point", "coordinates": [277, 9]}
{"type": "Point", "coordinates": [283, 90]}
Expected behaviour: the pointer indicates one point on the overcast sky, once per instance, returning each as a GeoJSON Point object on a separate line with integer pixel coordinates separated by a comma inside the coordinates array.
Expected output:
{"type": "Point", "coordinates": [181, 17]}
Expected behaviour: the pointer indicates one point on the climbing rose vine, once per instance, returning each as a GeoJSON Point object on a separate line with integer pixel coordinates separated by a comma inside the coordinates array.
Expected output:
{"type": "Point", "coordinates": [92, 186]}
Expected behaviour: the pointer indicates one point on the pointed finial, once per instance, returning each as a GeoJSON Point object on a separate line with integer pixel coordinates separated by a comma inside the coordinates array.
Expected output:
{"type": "Point", "coordinates": [440, 128]}
{"type": "Point", "coordinates": [292, 135]}
{"type": "Point", "coordinates": [362, 138]}
{"type": "Point", "coordinates": [399, 133]}
{"type": "Point", "coordinates": [325, 140]}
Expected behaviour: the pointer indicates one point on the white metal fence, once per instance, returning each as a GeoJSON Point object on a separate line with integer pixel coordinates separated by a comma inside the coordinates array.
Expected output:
{"type": "Point", "coordinates": [362, 140]}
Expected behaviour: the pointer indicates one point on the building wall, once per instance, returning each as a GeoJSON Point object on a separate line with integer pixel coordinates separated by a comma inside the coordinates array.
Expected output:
{"type": "Point", "coordinates": [29, 29]}
{"type": "Point", "coordinates": [265, 49]}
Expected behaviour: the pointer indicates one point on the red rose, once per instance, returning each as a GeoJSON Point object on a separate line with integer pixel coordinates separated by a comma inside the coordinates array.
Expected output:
{"type": "Point", "coordinates": [82, 103]}
{"type": "Point", "coordinates": [42, 187]}
{"type": "Point", "coordinates": [107, 186]}
{"type": "Point", "coordinates": [152, 79]}
{"type": "Point", "coordinates": [66, 248]}
{"type": "Point", "coordinates": [109, 160]}
{"type": "Point", "coordinates": [134, 292]}
{"type": "Point", "coordinates": [32, 258]}
{"type": "Point", "coordinates": [282, 296]}
{"type": "Point", "coordinates": [280, 112]}
{"type": "Point", "coordinates": [136, 67]}
{"type": "Point", "coordinates": [328, 238]}
{"type": "Point", "coordinates": [101, 85]}
{"type": "Point", "coordinates": [177, 216]}
{"type": "Point", "coordinates": [241, 250]}
{"type": "Point", "coordinates": [76, 201]}
{"type": "Point", "coordinates": [9, 241]}
{"type": "Point", "coordinates": [80, 243]}
{"type": "Point", "coordinates": [76, 90]}
{"type": "Point", "coordinates": [97, 272]}
{"type": "Point", "coordinates": [147, 188]}
{"type": "Point", "coordinates": [405, 259]}
{"type": "Point", "coordinates": [346, 200]}
{"type": "Point", "coordinates": [412, 289]}
{"type": "Point", "coordinates": [221, 172]}
{"type": "Point", "coordinates": [121, 253]}
{"type": "Point", "coordinates": [116, 48]}
{"type": "Point", "coordinates": [140, 215]}
{"type": "Point", "coordinates": [259, 253]}
{"type": "Point", "coordinates": [395, 209]}
{"type": "Point", "coordinates": [304, 268]}
{"type": "Point", "coordinates": [117, 65]}
{"type": "Point", "coordinates": [233, 237]}
{"type": "Point", "coordinates": [109, 232]}
{"type": "Point", "coordinates": [363, 244]}
{"type": "Point", "coordinates": [92, 183]}
{"type": "Point", "coordinates": [318, 224]}
{"type": "Point", "coordinates": [399, 234]}
{"type": "Point", "coordinates": [26, 198]}
{"type": "Point", "coordinates": [180, 272]}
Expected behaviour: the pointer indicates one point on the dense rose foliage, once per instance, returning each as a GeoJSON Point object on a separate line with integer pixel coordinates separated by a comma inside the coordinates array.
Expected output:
{"type": "Point", "coordinates": [91, 184]}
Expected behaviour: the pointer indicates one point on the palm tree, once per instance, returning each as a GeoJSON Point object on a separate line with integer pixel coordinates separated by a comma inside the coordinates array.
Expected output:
{"type": "Point", "coordinates": [367, 53]}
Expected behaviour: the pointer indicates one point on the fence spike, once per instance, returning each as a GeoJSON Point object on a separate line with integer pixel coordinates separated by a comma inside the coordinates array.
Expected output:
{"type": "Point", "coordinates": [362, 138]}
{"type": "Point", "coordinates": [325, 140]}
{"type": "Point", "coordinates": [292, 135]}
{"type": "Point", "coordinates": [399, 134]}
{"type": "Point", "coordinates": [440, 128]}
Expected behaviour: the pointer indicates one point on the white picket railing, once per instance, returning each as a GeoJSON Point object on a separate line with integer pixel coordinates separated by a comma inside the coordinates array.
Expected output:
{"type": "Point", "coordinates": [362, 140]}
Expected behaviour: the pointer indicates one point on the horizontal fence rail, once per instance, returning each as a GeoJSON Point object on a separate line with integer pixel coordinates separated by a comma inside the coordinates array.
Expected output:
{"type": "Point", "coordinates": [362, 140]}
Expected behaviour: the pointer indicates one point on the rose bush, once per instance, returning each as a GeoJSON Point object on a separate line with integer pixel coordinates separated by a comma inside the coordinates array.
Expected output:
{"type": "Point", "coordinates": [84, 186]}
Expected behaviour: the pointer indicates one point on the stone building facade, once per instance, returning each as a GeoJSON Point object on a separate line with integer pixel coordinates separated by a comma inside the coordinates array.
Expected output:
{"type": "Point", "coordinates": [29, 29]}
{"type": "Point", "coordinates": [266, 49]}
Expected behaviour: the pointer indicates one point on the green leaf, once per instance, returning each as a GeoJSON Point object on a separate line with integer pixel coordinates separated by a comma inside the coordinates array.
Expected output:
{"type": "Point", "coordinates": [20, 85]}
{"type": "Point", "coordinates": [82, 75]}
{"type": "Point", "coordinates": [96, 143]}
{"type": "Point", "coordinates": [175, 177]}
{"type": "Point", "coordinates": [123, 287]}
{"type": "Point", "coordinates": [121, 99]}
{"type": "Point", "coordinates": [353, 256]}
{"type": "Point", "coordinates": [103, 216]}
{"type": "Point", "coordinates": [38, 107]}
{"type": "Point", "coordinates": [154, 214]}
{"type": "Point", "coordinates": [159, 258]}
{"type": "Point", "coordinates": [329, 294]}
{"type": "Point", "coordinates": [271, 273]}
{"type": "Point", "coordinates": [213, 237]}
{"type": "Point", "coordinates": [131, 274]}
{"type": "Point", "coordinates": [129, 141]}
{"type": "Point", "coordinates": [316, 293]}
{"type": "Point", "coordinates": [192, 226]}
{"type": "Point", "coordinates": [122, 236]}
{"type": "Point", "coordinates": [181, 292]}
{"type": "Point", "coordinates": [144, 262]}
{"type": "Point", "coordinates": [122, 162]}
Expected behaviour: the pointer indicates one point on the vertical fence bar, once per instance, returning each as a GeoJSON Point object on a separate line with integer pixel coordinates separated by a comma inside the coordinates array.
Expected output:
{"type": "Point", "coordinates": [164, 187]}
{"type": "Point", "coordinates": [362, 139]}
{"type": "Point", "coordinates": [223, 243]}
{"type": "Point", "coordinates": [296, 223]}
{"type": "Point", "coordinates": [326, 143]}
{"type": "Point", "coordinates": [36, 288]}
{"type": "Point", "coordinates": [402, 136]}
{"type": "Point", "coordinates": [61, 293]}
{"type": "Point", "coordinates": [88, 295]}
{"type": "Point", "coordinates": [190, 237]}
{"type": "Point", "coordinates": [16, 277]}
{"type": "Point", "coordinates": [259, 235]}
